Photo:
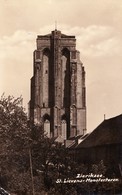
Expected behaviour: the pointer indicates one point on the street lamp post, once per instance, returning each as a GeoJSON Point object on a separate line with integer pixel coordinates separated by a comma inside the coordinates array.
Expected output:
{"type": "Point", "coordinates": [31, 170]}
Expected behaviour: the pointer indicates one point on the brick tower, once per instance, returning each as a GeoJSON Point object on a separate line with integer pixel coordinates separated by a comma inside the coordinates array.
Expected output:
{"type": "Point", "coordinates": [58, 101]}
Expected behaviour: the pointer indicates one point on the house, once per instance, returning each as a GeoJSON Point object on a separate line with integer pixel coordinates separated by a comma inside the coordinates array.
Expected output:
{"type": "Point", "coordinates": [103, 143]}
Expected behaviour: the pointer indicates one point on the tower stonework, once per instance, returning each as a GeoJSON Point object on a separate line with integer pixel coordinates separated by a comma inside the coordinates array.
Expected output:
{"type": "Point", "coordinates": [58, 95]}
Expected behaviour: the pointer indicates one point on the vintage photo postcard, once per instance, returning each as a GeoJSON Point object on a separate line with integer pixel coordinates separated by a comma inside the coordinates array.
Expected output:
{"type": "Point", "coordinates": [60, 97]}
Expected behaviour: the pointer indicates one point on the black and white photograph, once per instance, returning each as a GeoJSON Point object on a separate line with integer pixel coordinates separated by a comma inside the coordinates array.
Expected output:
{"type": "Point", "coordinates": [61, 97]}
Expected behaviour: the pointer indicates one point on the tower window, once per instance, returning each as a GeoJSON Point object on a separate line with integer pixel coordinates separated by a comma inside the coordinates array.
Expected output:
{"type": "Point", "coordinates": [46, 72]}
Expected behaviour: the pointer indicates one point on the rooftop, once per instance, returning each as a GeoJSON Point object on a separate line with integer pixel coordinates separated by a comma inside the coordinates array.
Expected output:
{"type": "Point", "coordinates": [108, 132]}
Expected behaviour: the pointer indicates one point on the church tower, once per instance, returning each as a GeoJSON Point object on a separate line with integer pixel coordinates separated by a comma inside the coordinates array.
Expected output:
{"type": "Point", "coordinates": [58, 95]}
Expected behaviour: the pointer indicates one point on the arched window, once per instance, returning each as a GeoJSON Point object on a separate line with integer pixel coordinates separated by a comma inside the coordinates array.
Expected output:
{"type": "Point", "coordinates": [46, 119]}
{"type": "Point", "coordinates": [74, 114]}
{"type": "Point", "coordinates": [64, 127]}
{"type": "Point", "coordinates": [65, 65]}
{"type": "Point", "coordinates": [45, 72]}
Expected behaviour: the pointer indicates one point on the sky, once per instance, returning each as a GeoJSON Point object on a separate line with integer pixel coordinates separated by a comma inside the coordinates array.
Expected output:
{"type": "Point", "coordinates": [97, 25]}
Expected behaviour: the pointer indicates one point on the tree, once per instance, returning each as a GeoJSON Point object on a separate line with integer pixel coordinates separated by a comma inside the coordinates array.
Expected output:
{"type": "Point", "coordinates": [20, 145]}
{"type": "Point", "coordinates": [14, 143]}
{"type": "Point", "coordinates": [13, 120]}
{"type": "Point", "coordinates": [51, 160]}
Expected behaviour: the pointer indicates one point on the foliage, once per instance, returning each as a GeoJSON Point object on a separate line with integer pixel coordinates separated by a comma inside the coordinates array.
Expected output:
{"type": "Point", "coordinates": [99, 168]}
{"type": "Point", "coordinates": [51, 160]}
{"type": "Point", "coordinates": [14, 143]}
{"type": "Point", "coordinates": [13, 123]}
{"type": "Point", "coordinates": [24, 149]}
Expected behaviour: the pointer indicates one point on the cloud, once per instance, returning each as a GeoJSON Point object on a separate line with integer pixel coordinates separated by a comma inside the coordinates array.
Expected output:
{"type": "Point", "coordinates": [100, 48]}
{"type": "Point", "coordinates": [34, 14]}
{"type": "Point", "coordinates": [93, 41]}
{"type": "Point", "coordinates": [16, 53]}
{"type": "Point", "coordinates": [16, 46]}
{"type": "Point", "coordinates": [99, 41]}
